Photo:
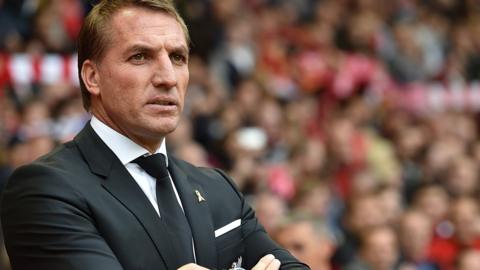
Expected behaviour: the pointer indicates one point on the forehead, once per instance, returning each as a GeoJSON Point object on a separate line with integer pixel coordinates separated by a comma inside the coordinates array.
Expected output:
{"type": "Point", "coordinates": [139, 24]}
{"type": "Point", "coordinates": [299, 229]}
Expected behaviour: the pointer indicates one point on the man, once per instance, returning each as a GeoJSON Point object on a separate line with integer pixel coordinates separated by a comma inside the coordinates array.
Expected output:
{"type": "Point", "coordinates": [415, 236]}
{"type": "Point", "coordinates": [469, 260]}
{"type": "Point", "coordinates": [378, 250]}
{"type": "Point", "coordinates": [308, 239]}
{"type": "Point", "coordinates": [95, 202]}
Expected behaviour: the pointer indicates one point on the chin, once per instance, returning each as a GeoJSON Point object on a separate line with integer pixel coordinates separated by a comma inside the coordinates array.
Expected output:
{"type": "Point", "coordinates": [164, 128]}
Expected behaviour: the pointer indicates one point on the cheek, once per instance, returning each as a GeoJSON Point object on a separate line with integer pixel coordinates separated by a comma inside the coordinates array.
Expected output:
{"type": "Point", "coordinates": [123, 89]}
{"type": "Point", "coordinates": [182, 81]}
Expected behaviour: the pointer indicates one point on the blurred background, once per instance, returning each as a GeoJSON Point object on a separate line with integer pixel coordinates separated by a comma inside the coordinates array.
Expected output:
{"type": "Point", "coordinates": [352, 126]}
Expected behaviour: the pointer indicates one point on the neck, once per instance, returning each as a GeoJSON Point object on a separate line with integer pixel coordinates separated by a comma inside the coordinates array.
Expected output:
{"type": "Point", "coordinates": [150, 145]}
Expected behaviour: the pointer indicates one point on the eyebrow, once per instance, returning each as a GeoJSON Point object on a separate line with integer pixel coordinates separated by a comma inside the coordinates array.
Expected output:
{"type": "Point", "coordinates": [179, 49]}
{"type": "Point", "coordinates": [145, 48]}
{"type": "Point", "coordinates": [139, 48]}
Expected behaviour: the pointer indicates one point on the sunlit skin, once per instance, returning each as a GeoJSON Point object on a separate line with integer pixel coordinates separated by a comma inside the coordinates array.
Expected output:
{"type": "Point", "coordinates": [138, 86]}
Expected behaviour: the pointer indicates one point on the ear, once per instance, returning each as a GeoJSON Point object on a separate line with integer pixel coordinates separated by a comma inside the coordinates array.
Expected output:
{"type": "Point", "coordinates": [90, 77]}
{"type": "Point", "coordinates": [326, 248]}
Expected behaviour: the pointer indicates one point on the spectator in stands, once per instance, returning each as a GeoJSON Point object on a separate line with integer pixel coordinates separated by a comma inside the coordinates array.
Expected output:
{"type": "Point", "coordinates": [469, 260]}
{"type": "Point", "coordinates": [433, 201]}
{"type": "Point", "coordinates": [308, 239]}
{"type": "Point", "coordinates": [415, 236]}
{"type": "Point", "coordinates": [462, 179]}
{"type": "Point", "coordinates": [464, 215]}
{"type": "Point", "coordinates": [270, 210]}
{"type": "Point", "coordinates": [361, 214]}
{"type": "Point", "coordinates": [378, 250]}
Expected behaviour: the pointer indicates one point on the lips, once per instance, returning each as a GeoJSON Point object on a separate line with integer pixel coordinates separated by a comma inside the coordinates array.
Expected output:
{"type": "Point", "coordinates": [163, 101]}
{"type": "Point", "coordinates": [163, 105]}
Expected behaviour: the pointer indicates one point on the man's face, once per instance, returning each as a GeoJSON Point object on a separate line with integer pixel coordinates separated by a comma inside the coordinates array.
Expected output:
{"type": "Point", "coordinates": [380, 250]}
{"type": "Point", "coordinates": [415, 235]}
{"type": "Point", "coordinates": [143, 75]}
{"type": "Point", "coordinates": [305, 244]}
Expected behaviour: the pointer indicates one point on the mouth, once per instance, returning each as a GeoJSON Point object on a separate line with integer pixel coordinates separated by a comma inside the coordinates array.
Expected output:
{"type": "Point", "coordinates": [163, 105]}
{"type": "Point", "coordinates": [163, 101]}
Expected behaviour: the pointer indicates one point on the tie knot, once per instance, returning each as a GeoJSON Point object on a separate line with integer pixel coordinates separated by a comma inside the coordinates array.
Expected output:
{"type": "Point", "coordinates": [155, 165]}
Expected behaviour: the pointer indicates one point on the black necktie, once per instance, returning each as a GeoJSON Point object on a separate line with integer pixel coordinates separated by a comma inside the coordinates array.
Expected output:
{"type": "Point", "coordinates": [170, 212]}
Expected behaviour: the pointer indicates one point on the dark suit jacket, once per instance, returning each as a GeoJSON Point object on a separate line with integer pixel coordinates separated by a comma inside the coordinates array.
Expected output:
{"type": "Point", "coordinates": [79, 208]}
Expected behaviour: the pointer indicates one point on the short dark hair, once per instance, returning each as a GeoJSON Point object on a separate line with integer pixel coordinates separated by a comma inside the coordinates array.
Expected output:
{"type": "Point", "coordinates": [93, 37]}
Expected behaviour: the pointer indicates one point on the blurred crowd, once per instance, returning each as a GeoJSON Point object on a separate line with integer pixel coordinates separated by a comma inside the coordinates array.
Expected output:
{"type": "Point", "coordinates": [351, 126]}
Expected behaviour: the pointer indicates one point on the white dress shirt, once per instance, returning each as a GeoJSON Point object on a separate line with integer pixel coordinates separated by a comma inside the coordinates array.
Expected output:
{"type": "Point", "coordinates": [126, 150]}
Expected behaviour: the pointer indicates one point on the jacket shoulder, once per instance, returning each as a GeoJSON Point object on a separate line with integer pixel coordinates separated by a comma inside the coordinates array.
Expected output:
{"type": "Point", "coordinates": [54, 173]}
{"type": "Point", "coordinates": [213, 174]}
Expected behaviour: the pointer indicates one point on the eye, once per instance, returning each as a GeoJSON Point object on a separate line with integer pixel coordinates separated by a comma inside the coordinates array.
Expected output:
{"type": "Point", "coordinates": [178, 59]}
{"type": "Point", "coordinates": [298, 247]}
{"type": "Point", "coordinates": [139, 57]}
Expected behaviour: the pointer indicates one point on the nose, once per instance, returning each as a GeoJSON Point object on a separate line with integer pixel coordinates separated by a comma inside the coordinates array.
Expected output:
{"type": "Point", "coordinates": [164, 75]}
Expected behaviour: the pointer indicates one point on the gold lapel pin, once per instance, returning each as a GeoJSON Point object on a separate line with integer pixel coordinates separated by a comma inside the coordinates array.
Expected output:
{"type": "Point", "coordinates": [200, 198]}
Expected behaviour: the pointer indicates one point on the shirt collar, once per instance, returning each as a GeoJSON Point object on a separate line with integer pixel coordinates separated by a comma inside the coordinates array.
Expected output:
{"type": "Point", "coordinates": [125, 149]}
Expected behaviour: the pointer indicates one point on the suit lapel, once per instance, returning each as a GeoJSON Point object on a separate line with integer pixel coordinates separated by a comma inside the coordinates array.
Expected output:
{"type": "Point", "coordinates": [122, 186]}
{"type": "Point", "coordinates": [198, 215]}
